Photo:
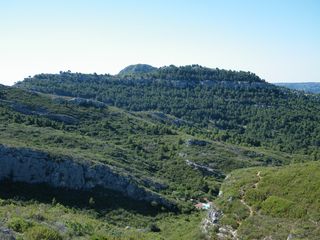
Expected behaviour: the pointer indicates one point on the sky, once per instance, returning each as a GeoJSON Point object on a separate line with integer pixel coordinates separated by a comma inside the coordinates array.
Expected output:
{"type": "Point", "coordinates": [279, 40]}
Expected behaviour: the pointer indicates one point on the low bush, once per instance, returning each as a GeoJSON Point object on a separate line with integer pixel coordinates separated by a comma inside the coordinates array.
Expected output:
{"type": "Point", "coordinates": [154, 228]}
{"type": "Point", "coordinates": [19, 224]}
{"type": "Point", "coordinates": [42, 233]}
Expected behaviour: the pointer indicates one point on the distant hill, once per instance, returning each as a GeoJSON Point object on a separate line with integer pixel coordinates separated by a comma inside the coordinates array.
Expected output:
{"type": "Point", "coordinates": [233, 106]}
{"type": "Point", "coordinates": [190, 73]}
{"type": "Point", "coordinates": [137, 69]}
{"type": "Point", "coordinates": [308, 87]}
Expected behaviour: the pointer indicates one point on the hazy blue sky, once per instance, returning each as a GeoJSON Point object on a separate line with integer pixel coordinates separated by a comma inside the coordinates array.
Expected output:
{"type": "Point", "coordinates": [277, 39]}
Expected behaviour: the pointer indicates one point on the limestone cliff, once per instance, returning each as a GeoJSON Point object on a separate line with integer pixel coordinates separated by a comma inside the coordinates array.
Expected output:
{"type": "Point", "coordinates": [32, 166]}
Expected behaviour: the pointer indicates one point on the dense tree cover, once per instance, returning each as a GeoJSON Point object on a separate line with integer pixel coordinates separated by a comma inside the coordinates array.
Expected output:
{"type": "Point", "coordinates": [237, 107]}
{"type": "Point", "coordinates": [129, 141]}
{"type": "Point", "coordinates": [190, 73]}
{"type": "Point", "coordinates": [110, 135]}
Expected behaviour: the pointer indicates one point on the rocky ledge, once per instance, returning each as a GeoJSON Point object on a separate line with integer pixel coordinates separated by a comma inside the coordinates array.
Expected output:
{"type": "Point", "coordinates": [33, 166]}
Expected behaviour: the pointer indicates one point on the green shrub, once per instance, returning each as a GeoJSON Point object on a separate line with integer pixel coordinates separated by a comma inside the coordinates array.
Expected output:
{"type": "Point", "coordinates": [276, 206]}
{"type": "Point", "coordinates": [42, 233]}
{"type": "Point", "coordinates": [154, 228]}
{"type": "Point", "coordinates": [19, 224]}
{"type": "Point", "coordinates": [227, 220]}
{"type": "Point", "coordinates": [98, 237]}
{"type": "Point", "coordinates": [79, 229]}
{"type": "Point", "coordinates": [255, 196]}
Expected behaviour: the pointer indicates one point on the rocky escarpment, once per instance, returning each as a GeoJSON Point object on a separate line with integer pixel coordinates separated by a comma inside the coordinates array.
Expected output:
{"type": "Point", "coordinates": [196, 142]}
{"type": "Point", "coordinates": [40, 111]}
{"type": "Point", "coordinates": [83, 102]}
{"type": "Point", "coordinates": [205, 169]}
{"type": "Point", "coordinates": [31, 166]}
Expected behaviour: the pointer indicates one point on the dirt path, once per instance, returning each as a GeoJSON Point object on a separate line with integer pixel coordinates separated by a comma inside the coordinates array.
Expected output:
{"type": "Point", "coordinates": [247, 206]}
{"type": "Point", "coordinates": [227, 232]}
{"type": "Point", "coordinates": [259, 179]}
{"type": "Point", "coordinates": [243, 193]}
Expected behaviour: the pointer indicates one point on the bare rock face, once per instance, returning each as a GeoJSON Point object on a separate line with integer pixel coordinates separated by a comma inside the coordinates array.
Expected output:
{"type": "Point", "coordinates": [6, 234]}
{"type": "Point", "coordinates": [31, 166]}
{"type": "Point", "coordinates": [83, 102]}
{"type": "Point", "coordinates": [205, 169]}
{"type": "Point", "coordinates": [25, 109]}
{"type": "Point", "coordinates": [196, 142]}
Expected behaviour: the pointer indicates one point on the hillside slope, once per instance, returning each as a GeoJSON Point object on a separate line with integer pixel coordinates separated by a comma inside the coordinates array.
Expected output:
{"type": "Point", "coordinates": [151, 164]}
{"type": "Point", "coordinates": [275, 203]}
{"type": "Point", "coordinates": [150, 150]}
{"type": "Point", "coordinates": [236, 107]}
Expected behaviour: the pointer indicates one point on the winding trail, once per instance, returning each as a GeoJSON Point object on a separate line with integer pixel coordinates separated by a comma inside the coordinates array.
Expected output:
{"type": "Point", "coordinates": [243, 193]}
{"type": "Point", "coordinates": [214, 215]}
{"type": "Point", "coordinates": [259, 179]}
{"type": "Point", "coordinates": [247, 206]}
